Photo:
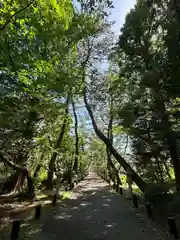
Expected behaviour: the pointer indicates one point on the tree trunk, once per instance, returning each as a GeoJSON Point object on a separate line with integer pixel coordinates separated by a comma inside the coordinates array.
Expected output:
{"type": "Point", "coordinates": [159, 168]}
{"type": "Point", "coordinates": [109, 157]}
{"type": "Point", "coordinates": [130, 190]}
{"type": "Point", "coordinates": [20, 182]}
{"type": "Point", "coordinates": [49, 182]}
{"type": "Point", "coordinates": [167, 169]}
{"type": "Point", "coordinates": [76, 162]}
{"type": "Point", "coordinates": [114, 170]}
{"type": "Point", "coordinates": [11, 182]}
{"type": "Point", "coordinates": [70, 178]}
{"type": "Point", "coordinates": [37, 170]}
{"type": "Point", "coordinates": [170, 137]}
{"type": "Point", "coordinates": [24, 172]}
{"type": "Point", "coordinates": [109, 171]}
{"type": "Point", "coordinates": [172, 43]}
{"type": "Point", "coordinates": [30, 185]}
{"type": "Point", "coordinates": [135, 177]}
{"type": "Point", "coordinates": [173, 148]}
{"type": "Point", "coordinates": [58, 185]}
{"type": "Point", "coordinates": [166, 130]}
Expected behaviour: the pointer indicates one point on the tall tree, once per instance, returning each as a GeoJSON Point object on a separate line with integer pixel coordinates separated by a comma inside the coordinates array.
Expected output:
{"type": "Point", "coordinates": [76, 162]}
{"type": "Point", "coordinates": [144, 63]}
{"type": "Point", "coordinates": [51, 167]}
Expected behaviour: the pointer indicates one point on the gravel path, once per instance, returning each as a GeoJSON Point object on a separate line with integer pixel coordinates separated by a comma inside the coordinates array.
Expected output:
{"type": "Point", "coordinates": [94, 212]}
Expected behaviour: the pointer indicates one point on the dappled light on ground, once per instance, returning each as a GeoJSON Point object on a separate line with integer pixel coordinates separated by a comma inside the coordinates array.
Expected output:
{"type": "Point", "coordinates": [93, 211]}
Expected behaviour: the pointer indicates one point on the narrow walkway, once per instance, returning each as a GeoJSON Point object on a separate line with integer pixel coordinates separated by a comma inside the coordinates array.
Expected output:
{"type": "Point", "coordinates": [94, 212]}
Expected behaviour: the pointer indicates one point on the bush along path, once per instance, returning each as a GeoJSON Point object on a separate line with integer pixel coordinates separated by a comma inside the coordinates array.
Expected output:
{"type": "Point", "coordinates": [93, 211]}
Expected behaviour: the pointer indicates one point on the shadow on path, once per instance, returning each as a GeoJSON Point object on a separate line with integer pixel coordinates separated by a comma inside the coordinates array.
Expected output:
{"type": "Point", "coordinates": [93, 212]}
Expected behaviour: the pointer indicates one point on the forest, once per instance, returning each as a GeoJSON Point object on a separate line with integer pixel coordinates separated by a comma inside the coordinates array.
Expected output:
{"type": "Point", "coordinates": [75, 97]}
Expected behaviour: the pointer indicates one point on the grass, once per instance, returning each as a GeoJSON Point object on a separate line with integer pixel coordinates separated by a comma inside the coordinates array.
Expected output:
{"type": "Point", "coordinates": [40, 196]}
{"type": "Point", "coordinates": [63, 195]}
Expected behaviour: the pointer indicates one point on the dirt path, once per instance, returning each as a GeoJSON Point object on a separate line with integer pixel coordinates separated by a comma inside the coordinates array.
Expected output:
{"type": "Point", "coordinates": [93, 212]}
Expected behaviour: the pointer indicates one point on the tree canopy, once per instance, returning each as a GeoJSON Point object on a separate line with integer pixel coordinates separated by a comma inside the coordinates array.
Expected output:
{"type": "Point", "coordinates": [52, 58]}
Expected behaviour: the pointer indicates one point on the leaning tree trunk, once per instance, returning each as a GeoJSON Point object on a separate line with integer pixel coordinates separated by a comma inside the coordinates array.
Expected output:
{"type": "Point", "coordinates": [110, 164]}
{"type": "Point", "coordinates": [76, 162]}
{"type": "Point", "coordinates": [24, 172]}
{"type": "Point", "coordinates": [51, 168]}
{"type": "Point", "coordinates": [135, 177]}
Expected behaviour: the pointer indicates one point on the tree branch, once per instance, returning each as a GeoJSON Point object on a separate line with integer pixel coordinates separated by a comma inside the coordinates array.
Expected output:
{"type": "Point", "coordinates": [12, 16]}
{"type": "Point", "coordinates": [10, 164]}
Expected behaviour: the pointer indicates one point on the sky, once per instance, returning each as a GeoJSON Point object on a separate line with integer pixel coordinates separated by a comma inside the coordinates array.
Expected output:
{"type": "Point", "coordinates": [121, 8]}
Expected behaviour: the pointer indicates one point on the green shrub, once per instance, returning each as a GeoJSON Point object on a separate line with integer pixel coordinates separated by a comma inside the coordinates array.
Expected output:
{"type": "Point", "coordinates": [42, 175]}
